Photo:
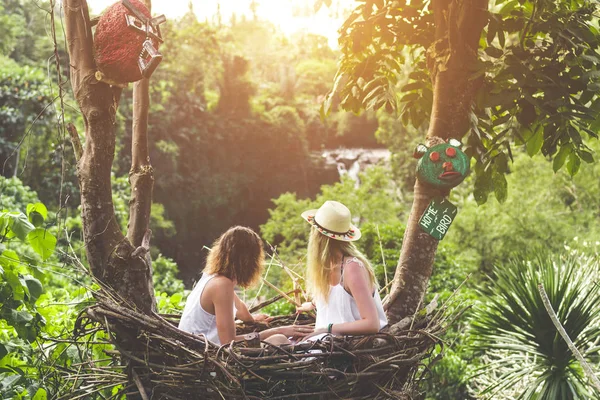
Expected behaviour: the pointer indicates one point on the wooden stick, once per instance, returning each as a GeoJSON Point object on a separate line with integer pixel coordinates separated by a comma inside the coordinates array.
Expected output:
{"type": "Point", "coordinates": [275, 288]}
{"type": "Point", "coordinates": [270, 301]}
{"type": "Point", "coordinates": [387, 283]}
{"type": "Point", "coordinates": [140, 386]}
{"type": "Point", "coordinates": [262, 283]}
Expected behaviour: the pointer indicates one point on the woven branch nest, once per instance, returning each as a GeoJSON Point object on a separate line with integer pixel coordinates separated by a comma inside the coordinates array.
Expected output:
{"type": "Point", "coordinates": [167, 363]}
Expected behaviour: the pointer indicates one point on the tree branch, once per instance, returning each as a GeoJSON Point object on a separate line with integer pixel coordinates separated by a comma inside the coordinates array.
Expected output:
{"type": "Point", "coordinates": [79, 41]}
{"type": "Point", "coordinates": [141, 175]}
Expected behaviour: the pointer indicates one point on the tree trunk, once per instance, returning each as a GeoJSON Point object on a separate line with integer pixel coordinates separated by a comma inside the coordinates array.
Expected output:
{"type": "Point", "coordinates": [113, 259]}
{"type": "Point", "coordinates": [120, 262]}
{"type": "Point", "coordinates": [451, 60]}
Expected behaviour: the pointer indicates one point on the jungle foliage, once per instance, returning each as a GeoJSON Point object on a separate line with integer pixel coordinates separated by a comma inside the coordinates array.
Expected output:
{"type": "Point", "coordinates": [231, 130]}
{"type": "Point", "coordinates": [537, 73]}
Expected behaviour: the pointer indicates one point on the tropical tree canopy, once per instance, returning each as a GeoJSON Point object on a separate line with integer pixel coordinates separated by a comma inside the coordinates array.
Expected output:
{"type": "Point", "coordinates": [537, 66]}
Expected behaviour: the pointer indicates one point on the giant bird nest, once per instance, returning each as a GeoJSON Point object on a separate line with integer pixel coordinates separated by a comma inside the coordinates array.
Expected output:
{"type": "Point", "coordinates": [162, 362]}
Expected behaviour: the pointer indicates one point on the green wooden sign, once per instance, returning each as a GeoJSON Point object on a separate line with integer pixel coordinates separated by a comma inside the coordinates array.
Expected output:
{"type": "Point", "coordinates": [437, 217]}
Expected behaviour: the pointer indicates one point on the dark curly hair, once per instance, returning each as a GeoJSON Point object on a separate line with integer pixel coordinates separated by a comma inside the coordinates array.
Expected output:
{"type": "Point", "coordinates": [237, 254]}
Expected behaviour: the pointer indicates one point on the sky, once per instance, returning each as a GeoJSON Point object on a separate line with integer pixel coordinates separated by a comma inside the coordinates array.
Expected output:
{"type": "Point", "coordinates": [290, 15]}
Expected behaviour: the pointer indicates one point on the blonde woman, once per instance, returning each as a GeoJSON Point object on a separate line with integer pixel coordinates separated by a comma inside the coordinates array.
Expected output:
{"type": "Point", "coordinates": [236, 258]}
{"type": "Point", "coordinates": [339, 277]}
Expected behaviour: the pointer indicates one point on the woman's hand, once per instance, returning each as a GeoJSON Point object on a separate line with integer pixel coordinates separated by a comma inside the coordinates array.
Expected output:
{"type": "Point", "coordinates": [262, 318]}
{"type": "Point", "coordinates": [305, 307]}
{"type": "Point", "coordinates": [295, 331]}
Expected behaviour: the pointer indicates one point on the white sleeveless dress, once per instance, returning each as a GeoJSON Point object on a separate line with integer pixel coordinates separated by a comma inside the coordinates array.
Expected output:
{"type": "Point", "coordinates": [341, 306]}
{"type": "Point", "coordinates": [195, 319]}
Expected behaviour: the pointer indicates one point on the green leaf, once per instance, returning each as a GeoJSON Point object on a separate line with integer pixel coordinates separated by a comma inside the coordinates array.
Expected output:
{"type": "Point", "coordinates": [527, 114]}
{"type": "Point", "coordinates": [482, 185]}
{"type": "Point", "coordinates": [593, 87]}
{"type": "Point", "coordinates": [409, 97]}
{"type": "Point", "coordinates": [15, 284]}
{"type": "Point", "coordinates": [586, 156]}
{"type": "Point", "coordinates": [535, 142]}
{"type": "Point", "coordinates": [37, 208]}
{"type": "Point", "coordinates": [494, 52]}
{"type": "Point", "coordinates": [21, 317]}
{"type": "Point", "coordinates": [561, 157]}
{"type": "Point", "coordinates": [412, 86]}
{"type": "Point", "coordinates": [317, 6]}
{"type": "Point", "coordinates": [418, 75]}
{"type": "Point", "coordinates": [21, 226]}
{"type": "Point", "coordinates": [508, 7]}
{"type": "Point", "coordinates": [36, 219]}
{"type": "Point", "coordinates": [42, 242]}
{"type": "Point", "coordinates": [573, 164]}
{"type": "Point", "coordinates": [3, 351]}
{"type": "Point", "coordinates": [9, 381]}
{"type": "Point", "coordinates": [40, 394]}
{"type": "Point", "coordinates": [491, 31]}
{"type": "Point", "coordinates": [9, 258]}
{"type": "Point", "coordinates": [4, 223]}
{"type": "Point", "coordinates": [35, 288]}
{"type": "Point", "coordinates": [500, 186]}
{"type": "Point", "coordinates": [501, 38]}
{"type": "Point", "coordinates": [591, 74]}
{"type": "Point", "coordinates": [591, 58]}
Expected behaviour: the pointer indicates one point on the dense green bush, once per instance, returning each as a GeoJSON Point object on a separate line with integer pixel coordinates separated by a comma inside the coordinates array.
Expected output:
{"type": "Point", "coordinates": [543, 210]}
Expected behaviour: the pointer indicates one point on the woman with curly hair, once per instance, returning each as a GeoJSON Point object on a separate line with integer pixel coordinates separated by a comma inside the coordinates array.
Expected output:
{"type": "Point", "coordinates": [236, 258]}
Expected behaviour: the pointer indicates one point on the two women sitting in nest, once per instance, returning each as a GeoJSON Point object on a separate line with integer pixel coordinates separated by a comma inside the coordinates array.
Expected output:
{"type": "Point", "coordinates": [339, 278]}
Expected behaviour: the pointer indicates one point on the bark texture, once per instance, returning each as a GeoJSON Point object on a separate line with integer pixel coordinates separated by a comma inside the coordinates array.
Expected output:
{"type": "Point", "coordinates": [451, 60]}
{"type": "Point", "coordinates": [111, 256]}
{"type": "Point", "coordinates": [141, 175]}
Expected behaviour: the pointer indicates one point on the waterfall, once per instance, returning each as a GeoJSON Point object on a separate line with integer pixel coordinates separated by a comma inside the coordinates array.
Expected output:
{"type": "Point", "coordinates": [353, 161]}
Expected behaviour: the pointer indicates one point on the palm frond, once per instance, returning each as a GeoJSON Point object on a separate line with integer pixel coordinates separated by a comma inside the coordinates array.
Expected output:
{"type": "Point", "coordinates": [514, 330]}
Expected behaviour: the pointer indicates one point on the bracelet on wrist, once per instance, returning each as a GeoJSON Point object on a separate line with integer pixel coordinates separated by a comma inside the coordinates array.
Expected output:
{"type": "Point", "coordinates": [329, 328]}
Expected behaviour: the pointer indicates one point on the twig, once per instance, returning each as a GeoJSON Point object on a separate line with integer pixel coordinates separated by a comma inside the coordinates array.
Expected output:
{"type": "Point", "coordinates": [294, 276]}
{"type": "Point", "coordinates": [140, 386]}
{"type": "Point", "coordinates": [387, 283]}
{"type": "Point", "coordinates": [77, 148]}
{"type": "Point", "coordinates": [275, 288]}
{"type": "Point", "coordinates": [586, 367]}
{"type": "Point", "coordinates": [270, 301]}
{"type": "Point", "coordinates": [262, 284]}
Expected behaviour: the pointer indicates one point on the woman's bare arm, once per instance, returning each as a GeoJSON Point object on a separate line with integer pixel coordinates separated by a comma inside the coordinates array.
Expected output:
{"type": "Point", "coordinates": [242, 310]}
{"type": "Point", "coordinates": [220, 291]}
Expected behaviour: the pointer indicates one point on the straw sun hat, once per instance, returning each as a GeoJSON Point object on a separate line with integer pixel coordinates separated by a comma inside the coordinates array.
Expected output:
{"type": "Point", "coordinates": [333, 219]}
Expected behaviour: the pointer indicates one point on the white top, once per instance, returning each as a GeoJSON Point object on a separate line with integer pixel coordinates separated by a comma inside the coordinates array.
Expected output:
{"type": "Point", "coordinates": [341, 306]}
{"type": "Point", "coordinates": [196, 319]}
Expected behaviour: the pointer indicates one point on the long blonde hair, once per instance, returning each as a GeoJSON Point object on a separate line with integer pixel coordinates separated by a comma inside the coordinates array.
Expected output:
{"type": "Point", "coordinates": [320, 256]}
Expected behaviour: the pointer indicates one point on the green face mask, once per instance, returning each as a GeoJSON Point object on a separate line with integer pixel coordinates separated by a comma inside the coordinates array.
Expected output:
{"type": "Point", "coordinates": [442, 166]}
